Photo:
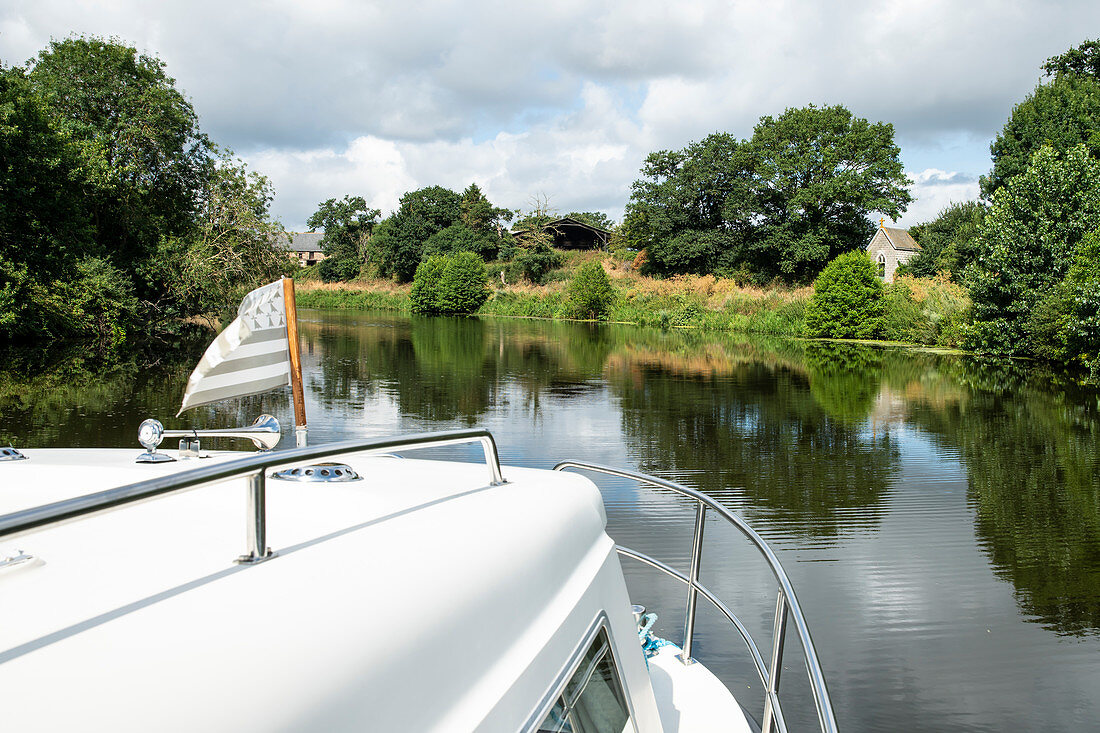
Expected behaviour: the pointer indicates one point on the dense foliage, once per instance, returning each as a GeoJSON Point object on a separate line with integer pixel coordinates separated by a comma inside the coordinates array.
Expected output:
{"type": "Point", "coordinates": [450, 285]}
{"type": "Point", "coordinates": [948, 242]}
{"type": "Point", "coordinates": [1027, 244]}
{"type": "Point", "coordinates": [348, 224]}
{"type": "Point", "coordinates": [1061, 114]}
{"type": "Point", "coordinates": [436, 221]}
{"type": "Point", "coordinates": [847, 300]}
{"type": "Point", "coordinates": [590, 293]}
{"type": "Point", "coordinates": [781, 204]}
{"type": "Point", "coordinates": [117, 215]}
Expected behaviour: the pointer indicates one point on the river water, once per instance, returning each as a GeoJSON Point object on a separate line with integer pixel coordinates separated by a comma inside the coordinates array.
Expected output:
{"type": "Point", "coordinates": [940, 519]}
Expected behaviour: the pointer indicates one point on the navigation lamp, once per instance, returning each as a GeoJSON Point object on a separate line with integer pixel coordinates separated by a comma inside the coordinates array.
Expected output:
{"type": "Point", "coordinates": [150, 433]}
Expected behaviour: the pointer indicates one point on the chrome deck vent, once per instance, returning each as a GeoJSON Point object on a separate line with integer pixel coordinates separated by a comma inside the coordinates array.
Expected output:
{"type": "Point", "coordinates": [11, 454]}
{"type": "Point", "coordinates": [318, 473]}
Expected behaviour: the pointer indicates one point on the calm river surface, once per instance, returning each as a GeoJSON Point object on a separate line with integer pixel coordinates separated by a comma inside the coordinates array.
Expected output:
{"type": "Point", "coordinates": [940, 520]}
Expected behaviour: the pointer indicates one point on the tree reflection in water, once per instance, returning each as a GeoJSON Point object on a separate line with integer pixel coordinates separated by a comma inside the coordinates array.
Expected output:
{"type": "Point", "coordinates": [804, 434]}
{"type": "Point", "coordinates": [735, 421]}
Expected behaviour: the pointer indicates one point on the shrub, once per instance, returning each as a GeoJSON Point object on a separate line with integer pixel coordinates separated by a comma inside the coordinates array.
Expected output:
{"type": "Point", "coordinates": [847, 299]}
{"type": "Point", "coordinates": [590, 292]}
{"type": "Point", "coordinates": [454, 285]}
{"type": "Point", "coordinates": [536, 262]}
{"type": "Point", "coordinates": [903, 318]}
{"type": "Point", "coordinates": [337, 269]}
{"type": "Point", "coordinates": [463, 287]}
{"type": "Point", "coordinates": [425, 288]}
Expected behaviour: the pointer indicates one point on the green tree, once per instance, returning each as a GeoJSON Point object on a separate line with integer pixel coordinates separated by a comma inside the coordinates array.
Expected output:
{"type": "Point", "coordinates": [462, 286]}
{"type": "Point", "coordinates": [478, 214]}
{"type": "Point", "coordinates": [847, 300]}
{"type": "Point", "coordinates": [143, 154]}
{"type": "Point", "coordinates": [44, 220]}
{"type": "Point", "coordinates": [1027, 244]}
{"type": "Point", "coordinates": [1081, 61]}
{"type": "Point", "coordinates": [233, 246]}
{"type": "Point", "coordinates": [590, 293]}
{"type": "Point", "coordinates": [1061, 114]}
{"type": "Point", "coordinates": [115, 209]}
{"type": "Point", "coordinates": [348, 224]}
{"type": "Point", "coordinates": [398, 245]}
{"type": "Point", "coordinates": [1080, 335]}
{"type": "Point", "coordinates": [948, 242]}
{"type": "Point", "coordinates": [782, 204]}
{"type": "Point", "coordinates": [461, 238]}
{"type": "Point", "coordinates": [684, 194]}
{"type": "Point", "coordinates": [820, 173]}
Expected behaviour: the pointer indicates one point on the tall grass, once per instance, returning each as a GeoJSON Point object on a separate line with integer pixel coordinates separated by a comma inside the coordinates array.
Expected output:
{"type": "Point", "coordinates": [371, 295]}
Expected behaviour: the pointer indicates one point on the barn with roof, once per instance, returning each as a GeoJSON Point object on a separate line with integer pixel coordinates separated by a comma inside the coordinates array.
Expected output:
{"type": "Point", "coordinates": [889, 248]}
{"type": "Point", "coordinates": [302, 247]}
{"type": "Point", "coordinates": [570, 234]}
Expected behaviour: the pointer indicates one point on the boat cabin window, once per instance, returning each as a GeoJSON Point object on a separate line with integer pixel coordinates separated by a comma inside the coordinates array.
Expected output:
{"type": "Point", "coordinates": [593, 700]}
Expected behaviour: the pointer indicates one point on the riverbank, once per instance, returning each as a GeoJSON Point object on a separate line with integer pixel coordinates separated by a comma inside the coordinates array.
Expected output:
{"type": "Point", "coordinates": [925, 312]}
{"type": "Point", "coordinates": [705, 303]}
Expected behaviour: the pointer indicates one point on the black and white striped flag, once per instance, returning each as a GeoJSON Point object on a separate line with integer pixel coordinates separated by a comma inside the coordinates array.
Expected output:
{"type": "Point", "coordinates": [250, 356]}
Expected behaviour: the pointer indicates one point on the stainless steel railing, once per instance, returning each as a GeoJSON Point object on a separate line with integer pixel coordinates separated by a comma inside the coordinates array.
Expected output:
{"type": "Point", "coordinates": [254, 467]}
{"type": "Point", "coordinates": [786, 603]}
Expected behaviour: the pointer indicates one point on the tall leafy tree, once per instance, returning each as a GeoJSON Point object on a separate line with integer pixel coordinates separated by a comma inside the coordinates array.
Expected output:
{"type": "Point", "coordinates": [689, 205]}
{"type": "Point", "coordinates": [234, 244]}
{"type": "Point", "coordinates": [1081, 61]}
{"type": "Point", "coordinates": [139, 140]}
{"type": "Point", "coordinates": [1062, 113]}
{"type": "Point", "coordinates": [348, 224]}
{"type": "Point", "coordinates": [478, 214]}
{"type": "Point", "coordinates": [1027, 245]}
{"type": "Point", "coordinates": [819, 174]}
{"type": "Point", "coordinates": [398, 245]}
{"type": "Point", "coordinates": [45, 226]}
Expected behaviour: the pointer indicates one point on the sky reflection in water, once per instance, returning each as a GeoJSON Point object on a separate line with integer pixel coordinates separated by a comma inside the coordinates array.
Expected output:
{"type": "Point", "coordinates": [940, 520]}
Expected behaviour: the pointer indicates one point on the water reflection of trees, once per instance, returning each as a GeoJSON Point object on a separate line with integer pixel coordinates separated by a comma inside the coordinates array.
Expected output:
{"type": "Point", "coordinates": [448, 369]}
{"type": "Point", "coordinates": [66, 396]}
{"type": "Point", "coordinates": [781, 423]}
{"type": "Point", "coordinates": [743, 422]}
{"type": "Point", "coordinates": [1031, 458]}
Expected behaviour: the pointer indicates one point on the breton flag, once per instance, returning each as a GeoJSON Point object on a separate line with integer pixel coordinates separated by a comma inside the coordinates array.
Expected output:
{"type": "Point", "coordinates": [251, 355]}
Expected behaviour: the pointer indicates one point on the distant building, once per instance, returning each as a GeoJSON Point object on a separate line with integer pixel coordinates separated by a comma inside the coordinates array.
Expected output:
{"type": "Point", "coordinates": [304, 247]}
{"type": "Point", "coordinates": [570, 234]}
{"type": "Point", "coordinates": [890, 248]}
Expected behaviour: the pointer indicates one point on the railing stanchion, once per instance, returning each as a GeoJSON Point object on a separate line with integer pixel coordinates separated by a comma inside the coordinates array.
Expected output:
{"type": "Point", "coordinates": [693, 574]}
{"type": "Point", "coordinates": [779, 631]}
{"type": "Point", "coordinates": [787, 602]}
{"type": "Point", "coordinates": [258, 551]}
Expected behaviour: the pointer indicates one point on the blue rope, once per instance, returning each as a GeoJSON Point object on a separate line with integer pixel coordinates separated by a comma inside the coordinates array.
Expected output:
{"type": "Point", "coordinates": [650, 644]}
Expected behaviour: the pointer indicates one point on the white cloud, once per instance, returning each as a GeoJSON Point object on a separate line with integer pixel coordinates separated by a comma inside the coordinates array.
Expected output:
{"type": "Point", "coordinates": [934, 190]}
{"type": "Point", "coordinates": [564, 98]}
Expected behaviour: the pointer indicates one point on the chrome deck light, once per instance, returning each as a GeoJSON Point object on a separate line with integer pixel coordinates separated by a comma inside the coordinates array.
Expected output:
{"type": "Point", "coordinates": [150, 434]}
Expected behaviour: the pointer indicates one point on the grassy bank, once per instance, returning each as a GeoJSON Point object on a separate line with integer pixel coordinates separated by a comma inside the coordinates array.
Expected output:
{"type": "Point", "coordinates": [917, 311]}
{"type": "Point", "coordinates": [705, 302]}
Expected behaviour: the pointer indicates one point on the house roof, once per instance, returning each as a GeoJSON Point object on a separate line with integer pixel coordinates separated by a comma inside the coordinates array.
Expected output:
{"type": "Point", "coordinates": [301, 241]}
{"type": "Point", "coordinates": [901, 239]}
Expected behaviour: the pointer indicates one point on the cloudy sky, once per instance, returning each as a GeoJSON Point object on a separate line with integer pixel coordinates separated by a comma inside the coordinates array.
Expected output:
{"type": "Point", "coordinates": [563, 100]}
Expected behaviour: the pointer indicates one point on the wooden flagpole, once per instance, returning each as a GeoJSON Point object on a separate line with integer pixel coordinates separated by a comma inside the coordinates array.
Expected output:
{"type": "Point", "coordinates": [295, 363]}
